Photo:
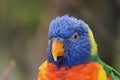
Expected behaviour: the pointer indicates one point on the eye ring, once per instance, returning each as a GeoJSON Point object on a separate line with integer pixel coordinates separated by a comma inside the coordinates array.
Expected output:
{"type": "Point", "coordinates": [74, 37]}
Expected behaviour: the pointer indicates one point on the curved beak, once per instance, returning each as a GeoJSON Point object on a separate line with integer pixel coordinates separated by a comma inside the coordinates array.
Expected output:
{"type": "Point", "coordinates": [57, 49]}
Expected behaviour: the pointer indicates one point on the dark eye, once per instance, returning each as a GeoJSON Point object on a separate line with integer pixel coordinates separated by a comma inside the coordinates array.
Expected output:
{"type": "Point", "coordinates": [74, 37]}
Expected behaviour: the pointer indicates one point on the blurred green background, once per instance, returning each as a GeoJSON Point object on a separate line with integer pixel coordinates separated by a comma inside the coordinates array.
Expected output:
{"type": "Point", "coordinates": [24, 26]}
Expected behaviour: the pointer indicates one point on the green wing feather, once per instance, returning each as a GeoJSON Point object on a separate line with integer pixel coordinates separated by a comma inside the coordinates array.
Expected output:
{"type": "Point", "coordinates": [109, 70]}
{"type": "Point", "coordinates": [94, 57]}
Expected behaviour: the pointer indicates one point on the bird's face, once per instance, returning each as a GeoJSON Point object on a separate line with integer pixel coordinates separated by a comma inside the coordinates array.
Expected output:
{"type": "Point", "coordinates": [69, 41]}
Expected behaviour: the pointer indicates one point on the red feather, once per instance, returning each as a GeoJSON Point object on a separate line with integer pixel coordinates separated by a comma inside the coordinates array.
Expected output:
{"type": "Point", "coordinates": [79, 72]}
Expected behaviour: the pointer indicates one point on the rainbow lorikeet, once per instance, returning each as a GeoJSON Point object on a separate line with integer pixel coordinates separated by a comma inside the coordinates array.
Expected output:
{"type": "Point", "coordinates": [72, 53]}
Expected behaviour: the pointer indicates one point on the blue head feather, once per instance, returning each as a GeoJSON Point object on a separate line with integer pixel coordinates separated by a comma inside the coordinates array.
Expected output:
{"type": "Point", "coordinates": [76, 52]}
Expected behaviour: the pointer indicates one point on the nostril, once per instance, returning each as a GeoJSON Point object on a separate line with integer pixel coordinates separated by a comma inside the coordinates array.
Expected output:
{"type": "Point", "coordinates": [53, 39]}
{"type": "Point", "coordinates": [58, 39]}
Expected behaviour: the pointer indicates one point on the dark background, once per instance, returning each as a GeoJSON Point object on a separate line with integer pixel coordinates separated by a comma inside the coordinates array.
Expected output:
{"type": "Point", "coordinates": [24, 26]}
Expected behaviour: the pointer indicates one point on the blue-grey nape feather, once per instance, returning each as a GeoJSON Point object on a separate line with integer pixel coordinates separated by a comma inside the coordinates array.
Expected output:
{"type": "Point", "coordinates": [76, 52]}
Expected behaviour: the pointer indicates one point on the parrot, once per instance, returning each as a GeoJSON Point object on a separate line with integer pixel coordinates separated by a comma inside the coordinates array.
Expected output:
{"type": "Point", "coordinates": [73, 54]}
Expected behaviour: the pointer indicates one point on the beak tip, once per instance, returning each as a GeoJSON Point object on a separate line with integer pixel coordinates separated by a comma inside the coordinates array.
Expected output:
{"type": "Point", "coordinates": [55, 59]}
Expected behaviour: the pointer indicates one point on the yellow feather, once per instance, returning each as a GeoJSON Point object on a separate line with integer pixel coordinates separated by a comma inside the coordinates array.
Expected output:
{"type": "Point", "coordinates": [102, 74]}
{"type": "Point", "coordinates": [93, 43]}
{"type": "Point", "coordinates": [42, 69]}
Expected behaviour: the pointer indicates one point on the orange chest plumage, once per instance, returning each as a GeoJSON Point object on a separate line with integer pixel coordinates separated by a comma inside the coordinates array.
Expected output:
{"type": "Point", "coordinates": [79, 72]}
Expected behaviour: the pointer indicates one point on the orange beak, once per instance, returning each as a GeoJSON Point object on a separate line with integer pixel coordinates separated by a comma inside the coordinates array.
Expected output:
{"type": "Point", "coordinates": [57, 49]}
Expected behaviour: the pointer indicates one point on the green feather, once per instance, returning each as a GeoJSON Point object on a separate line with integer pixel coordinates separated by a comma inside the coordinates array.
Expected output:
{"type": "Point", "coordinates": [109, 70]}
{"type": "Point", "coordinates": [95, 57]}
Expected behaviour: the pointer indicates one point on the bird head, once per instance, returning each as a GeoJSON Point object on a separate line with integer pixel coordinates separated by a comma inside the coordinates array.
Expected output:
{"type": "Point", "coordinates": [71, 41]}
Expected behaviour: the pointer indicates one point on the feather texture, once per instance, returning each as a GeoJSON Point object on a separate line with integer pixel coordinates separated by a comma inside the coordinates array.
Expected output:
{"type": "Point", "coordinates": [80, 59]}
{"type": "Point", "coordinates": [90, 71]}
